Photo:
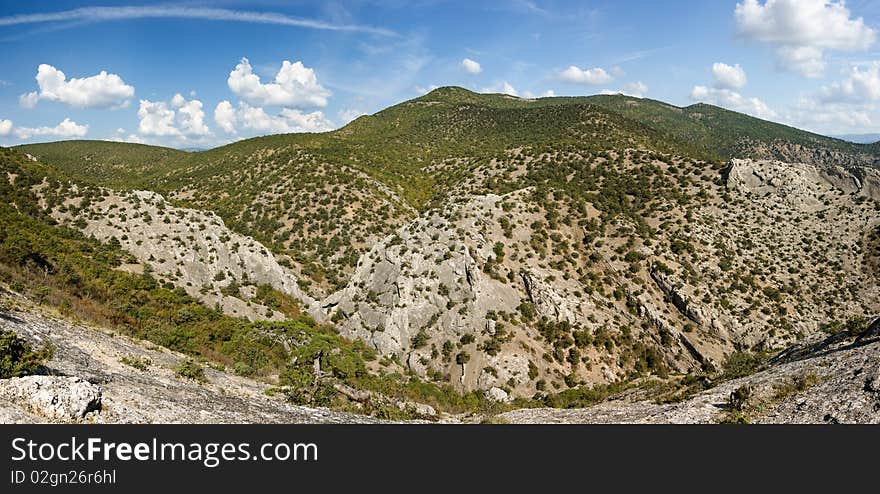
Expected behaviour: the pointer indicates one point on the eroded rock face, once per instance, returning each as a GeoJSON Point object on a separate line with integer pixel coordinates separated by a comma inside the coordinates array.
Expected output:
{"type": "Point", "coordinates": [475, 277]}
{"type": "Point", "coordinates": [59, 399]}
{"type": "Point", "coordinates": [191, 248]}
{"type": "Point", "coordinates": [426, 278]}
{"type": "Point", "coordinates": [839, 384]}
{"type": "Point", "coordinates": [800, 184]}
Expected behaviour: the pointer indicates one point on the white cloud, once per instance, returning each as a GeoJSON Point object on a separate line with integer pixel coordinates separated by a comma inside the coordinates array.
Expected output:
{"type": "Point", "coordinates": [802, 30]}
{"type": "Point", "coordinates": [156, 119]}
{"type": "Point", "coordinates": [636, 89]}
{"type": "Point", "coordinates": [98, 91]}
{"type": "Point", "coordinates": [729, 77]}
{"type": "Point", "coordinates": [190, 115]}
{"type": "Point", "coordinates": [184, 118]}
{"type": "Point", "coordinates": [67, 128]}
{"type": "Point", "coordinates": [831, 118]}
{"type": "Point", "coordinates": [807, 61]}
{"type": "Point", "coordinates": [733, 101]}
{"type": "Point", "coordinates": [29, 100]}
{"type": "Point", "coordinates": [845, 106]}
{"type": "Point", "coordinates": [119, 136]}
{"type": "Point", "coordinates": [861, 86]}
{"type": "Point", "coordinates": [546, 94]}
{"type": "Point", "coordinates": [594, 76]}
{"type": "Point", "coordinates": [471, 66]}
{"type": "Point", "coordinates": [254, 118]}
{"type": "Point", "coordinates": [98, 14]}
{"type": "Point", "coordinates": [5, 127]}
{"type": "Point", "coordinates": [502, 88]}
{"type": "Point", "coordinates": [224, 115]}
{"type": "Point", "coordinates": [295, 85]}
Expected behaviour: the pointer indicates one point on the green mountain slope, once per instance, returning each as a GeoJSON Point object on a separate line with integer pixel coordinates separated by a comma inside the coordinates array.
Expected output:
{"type": "Point", "coordinates": [532, 246]}
{"type": "Point", "coordinates": [324, 198]}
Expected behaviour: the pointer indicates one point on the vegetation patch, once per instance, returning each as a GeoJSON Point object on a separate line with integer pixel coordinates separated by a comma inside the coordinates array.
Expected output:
{"type": "Point", "coordinates": [18, 358]}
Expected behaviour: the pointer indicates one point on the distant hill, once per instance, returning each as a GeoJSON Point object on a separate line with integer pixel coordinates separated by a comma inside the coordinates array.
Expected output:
{"type": "Point", "coordinates": [860, 138]}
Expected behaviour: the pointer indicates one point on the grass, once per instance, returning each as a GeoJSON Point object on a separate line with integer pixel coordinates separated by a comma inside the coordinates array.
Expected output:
{"type": "Point", "coordinates": [136, 363]}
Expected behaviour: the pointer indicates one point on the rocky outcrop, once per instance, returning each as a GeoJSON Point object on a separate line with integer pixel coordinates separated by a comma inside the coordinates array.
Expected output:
{"type": "Point", "coordinates": [89, 382]}
{"type": "Point", "coordinates": [801, 184]}
{"type": "Point", "coordinates": [426, 278]}
{"type": "Point", "coordinates": [190, 248]}
{"type": "Point", "coordinates": [673, 288]}
{"type": "Point", "coordinates": [58, 399]}
{"type": "Point", "coordinates": [837, 384]}
{"type": "Point", "coordinates": [791, 152]}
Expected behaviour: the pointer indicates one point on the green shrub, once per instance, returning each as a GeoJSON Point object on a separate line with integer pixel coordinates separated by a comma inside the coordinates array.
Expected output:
{"type": "Point", "coordinates": [18, 358]}
{"type": "Point", "coordinates": [137, 363]}
{"type": "Point", "coordinates": [741, 364]}
{"type": "Point", "coordinates": [190, 369]}
{"type": "Point", "coordinates": [243, 369]}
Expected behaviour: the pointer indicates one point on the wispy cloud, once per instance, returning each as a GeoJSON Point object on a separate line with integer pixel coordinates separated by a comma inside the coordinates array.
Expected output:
{"type": "Point", "coordinates": [104, 14]}
{"type": "Point", "coordinates": [638, 55]}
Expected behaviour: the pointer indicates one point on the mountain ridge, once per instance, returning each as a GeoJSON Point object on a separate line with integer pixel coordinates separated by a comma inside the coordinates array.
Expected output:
{"type": "Point", "coordinates": [526, 248]}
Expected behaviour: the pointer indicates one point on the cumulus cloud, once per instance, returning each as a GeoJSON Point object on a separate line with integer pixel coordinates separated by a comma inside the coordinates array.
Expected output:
{"type": "Point", "coordinates": [156, 119]}
{"type": "Point", "coordinates": [636, 89]}
{"type": "Point", "coordinates": [98, 91]}
{"type": "Point", "coordinates": [503, 87]}
{"type": "Point", "coordinates": [802, 30]}
{"type": "Point", "coordinates": [830, 117]}
{"type": "Point", "coordinates": [190, 116]}
{"type": "Point", "coordinates": [594, 76]}
{"type": "Point", "coordinates": [848, 105]}
{"type": "Point", "coordinates": [224, 116]}
{"type": "Point", "coordinates": [5, 127]}
{"type": "Point", "coordinates": [862, 85]}
{"type": "Point", "coordinates": [807, 61]}
{"type": "Point", "coordinates": [732, 100]}
{"type": "Point", "coordinates": [471, 66]}
{"type": "Point", "coordinates": [253, 118]}
{"type": "Point", "coordinates": [181, 119]}
{"type": "Point", "coordinates": [729, 77]}
{"type": "Point", "coordinates": [67, 128]}
{"type": "Point", "coordinates": [294, 85]}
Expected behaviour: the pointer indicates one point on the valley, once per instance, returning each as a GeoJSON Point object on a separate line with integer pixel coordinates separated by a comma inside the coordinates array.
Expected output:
{"type": "Point", "coordinates": [466, 253]}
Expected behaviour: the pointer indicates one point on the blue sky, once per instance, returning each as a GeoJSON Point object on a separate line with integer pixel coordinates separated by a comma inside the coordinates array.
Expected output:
{"type": "Point", "coordinates": [199, 74]}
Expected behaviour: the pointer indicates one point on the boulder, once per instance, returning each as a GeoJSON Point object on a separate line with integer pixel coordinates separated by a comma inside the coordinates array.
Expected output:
{"type": "Point", "coordinates": [63, 399]}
